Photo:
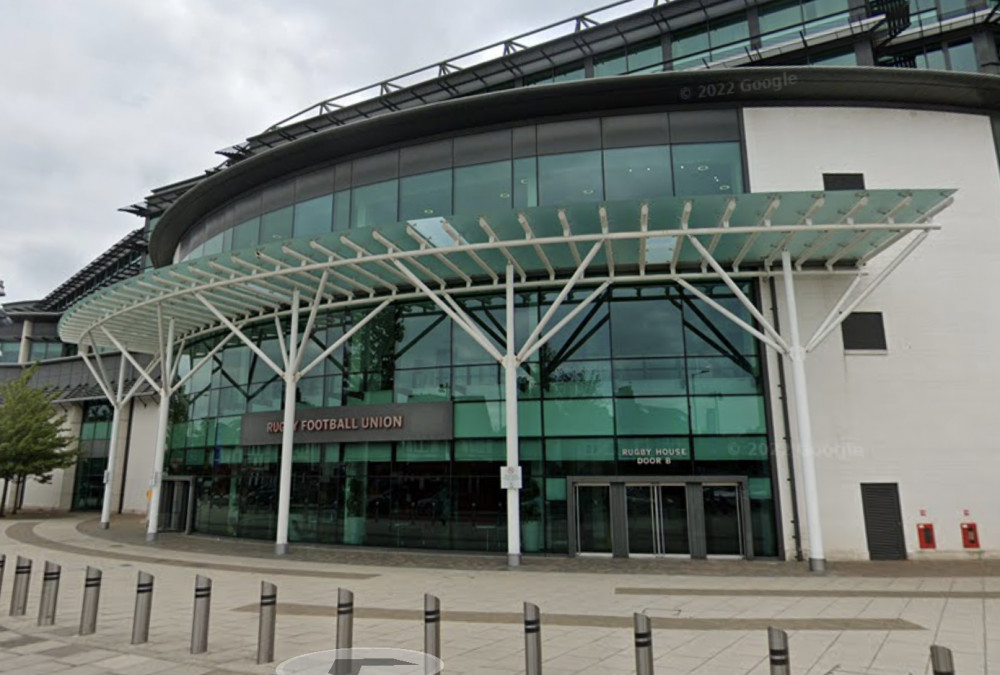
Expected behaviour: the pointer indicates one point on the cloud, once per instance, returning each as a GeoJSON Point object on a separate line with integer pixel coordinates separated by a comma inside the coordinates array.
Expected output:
{"type": "Point", "coordinates": [108, 99]}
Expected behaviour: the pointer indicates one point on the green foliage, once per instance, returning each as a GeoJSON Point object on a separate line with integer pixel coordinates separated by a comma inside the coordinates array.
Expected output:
{"type": "Point", "coordinates": [32, 444]}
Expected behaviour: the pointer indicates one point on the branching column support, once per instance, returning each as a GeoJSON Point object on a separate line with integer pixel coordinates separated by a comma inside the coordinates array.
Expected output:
{"type": "Point", "coordinates": [291, 379]}
{"type": "Point", "coordinates": [794, 350]}
{"type": "Point", "coordinates": [510, 359]}
{"type": "Point", "coordinates": [117, 397]}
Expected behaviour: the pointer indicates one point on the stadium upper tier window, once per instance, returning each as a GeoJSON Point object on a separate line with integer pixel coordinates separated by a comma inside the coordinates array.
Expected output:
{"type": "Point", "coordinates": [554, 164]}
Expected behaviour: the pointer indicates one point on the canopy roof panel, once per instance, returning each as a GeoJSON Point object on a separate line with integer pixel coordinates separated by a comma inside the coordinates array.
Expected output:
{"type": "Point", "coordinates": [634, 240]}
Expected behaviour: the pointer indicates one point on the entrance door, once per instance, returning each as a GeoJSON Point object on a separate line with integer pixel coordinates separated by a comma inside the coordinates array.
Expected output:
{"type": "Point", "coordinates": [723, 519]}
{"type": "Point", "coordinates": [176, 505]}
{"type": "Point", "coordinates": [657, 520]}
{"type": "Point", "coordinates": [593, 514]}
{"type": "Point", "coordinates": [883, 521]}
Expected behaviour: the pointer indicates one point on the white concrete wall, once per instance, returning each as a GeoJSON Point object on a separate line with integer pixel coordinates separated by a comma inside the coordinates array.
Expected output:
{"type": "Point", "coordinates": [923, 414]}
{"type": "Point", "coordinates": [140, 456]}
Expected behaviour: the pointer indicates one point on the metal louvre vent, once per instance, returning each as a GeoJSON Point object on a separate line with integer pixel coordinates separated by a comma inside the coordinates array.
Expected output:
{"type": "Point", "coordinates": [883, 521]}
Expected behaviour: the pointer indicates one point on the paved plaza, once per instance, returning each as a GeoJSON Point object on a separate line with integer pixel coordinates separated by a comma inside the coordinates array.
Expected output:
{"type": "Point", "coordinates": [709, 617]}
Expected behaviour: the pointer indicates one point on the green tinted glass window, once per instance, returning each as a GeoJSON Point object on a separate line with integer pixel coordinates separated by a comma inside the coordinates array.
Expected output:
{"type": "Point", "coordinates": [610, 64]}
{"type": "Point", "coordinates": [570, 178]}
{"type": "Point", "coordinates": [963, 57]}
{"type": "Point", "coordinates": [214, 245]}
{"type": "Point", "coordinates": [579, 449]}
{"type": "Point", "coordinates": [646, 326]}
{"type": "Point", "coordinates": [487, 419]}
{"type": "Point", "coordinates": [276, 225]}
{"type": "Point", "coordinates": [246, 234]}
{"type": "Point", "coordinates": [652, 416]}
{"type": "Point", "coordinates": [525, 183]}
{"type": "Point", "coordinates": [425, 196]}
{"type": "Point", "coordinates": [721, 448]}
{"type": "Point", "coordinates": [724, 375]}
{"type": "Point", "coordinates": [577, 379]}
{"type": "Point", "coordinates": [342, 210]}
{"type": "Point", "coordinates": [9, 351]}
{"type": "Point", "coordinates": [646, 57]}
{"type": "Point", "coordinates": [374, 204]}
{"type": "Point", "coordinates": [707, 169]}
{"type": "Point", "coordinates": [314, 216]}
{"type": "Point", "coordinates": [650, 377]}
{"type": "Point", "coordinates": [483, 188]}
{"type": "Point", "coordinates": [635, 173]}
{"type": "Point", "coordinates": [580, 417]}
{"type": "Point", "coordinates": [728, 415]}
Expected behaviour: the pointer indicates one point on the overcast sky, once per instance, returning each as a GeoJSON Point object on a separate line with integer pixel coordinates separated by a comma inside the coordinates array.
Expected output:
{"type": "Point", "coordinates": [103, 100]}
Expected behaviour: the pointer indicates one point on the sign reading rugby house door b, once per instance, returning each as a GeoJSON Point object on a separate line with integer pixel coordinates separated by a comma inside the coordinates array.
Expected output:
{"type": "Point", "coordinates": [395, 422]}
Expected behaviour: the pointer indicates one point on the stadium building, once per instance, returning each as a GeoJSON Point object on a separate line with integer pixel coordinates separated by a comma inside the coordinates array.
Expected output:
{"type": "Point", "coordinates": [698, 279]}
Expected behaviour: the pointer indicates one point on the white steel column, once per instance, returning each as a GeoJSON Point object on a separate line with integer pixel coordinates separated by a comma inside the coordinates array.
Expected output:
{"type": "Point", "coordinates": [797, 355]}
{"type": "Point", "coordinates": [109, 472]}
{"type": "Point", "coordinates": [510, 405]}
{"type": "Point", "coordinates": [291, 378]}
{"type": "Point", "coordinates": [162, 424]}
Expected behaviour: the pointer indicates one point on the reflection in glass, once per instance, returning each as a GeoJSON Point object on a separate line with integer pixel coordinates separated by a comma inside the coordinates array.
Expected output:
{"type": "Point", "coordinates": [633, 173]}
{"type": "Point", "coordinates": [723, 534]}
{"type": "Point", "coordinates": [374, 204]}
{"type": "Point", "coordinates": [483, 188]}
{"type": "Point", "coordinates": [570, 178]}
{"type": "Point", "coordinates": [425, 195]}
{"type": "Point", "coordinates": [593, 527]}
{"type": "Point", "coordinates": [707, 169]}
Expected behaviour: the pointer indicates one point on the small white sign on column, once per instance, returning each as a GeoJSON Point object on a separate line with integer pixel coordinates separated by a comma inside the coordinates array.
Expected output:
{"type": "Point", "coordinates": [510, 477]}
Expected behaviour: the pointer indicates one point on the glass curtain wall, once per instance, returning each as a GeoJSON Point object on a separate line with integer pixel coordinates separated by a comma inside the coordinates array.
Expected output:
{"type": "Point", "coordinates": [554, 164]}
{"type": "Point", "coordinates": [643, 367]}
{"type": "Point", "coordinates": [95, 432]}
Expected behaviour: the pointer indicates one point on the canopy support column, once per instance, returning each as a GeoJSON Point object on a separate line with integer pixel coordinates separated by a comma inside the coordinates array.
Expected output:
{"type": "Point", "coordinates": [162, 423]}
{"type": "Point", "coordinates": [797, 355]}
{"type": "Point", "coordinates": [510, 404]}
{"type": "Point", "coordinates": [291, 378]}
{"type": "Point", "coordinates": [109, 472]}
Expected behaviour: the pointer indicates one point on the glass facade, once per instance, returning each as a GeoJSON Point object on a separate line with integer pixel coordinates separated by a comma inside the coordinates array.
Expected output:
{"type": "Point", "coordinates": [558, 163]}
{"type": "Point", "coordinates": [641, 366]}
{"type": "Point", "coordinates": [95, 432]}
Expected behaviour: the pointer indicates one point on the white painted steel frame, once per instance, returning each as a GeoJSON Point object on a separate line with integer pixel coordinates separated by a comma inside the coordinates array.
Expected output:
{"type": "Point", "coordinates": [228, 298]}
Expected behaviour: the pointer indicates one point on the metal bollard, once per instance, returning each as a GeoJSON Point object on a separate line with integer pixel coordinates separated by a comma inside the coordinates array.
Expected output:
{"type": "Point", "coordinates": [199, 623]}
{"type": "Point", "coordinates": [532, 640]}
{"type": "Point", "coordinates": [143, 607]}
{"type": "Point", "coordinates": [345, 618]}
{"type": "Point", "coordinates": [643, 628]}
{"type": "Point", "coordinates": [91, 598]}
{"type": "Point", "coordinates": [777, 646]}
{"type": "Point", "coordinates": [50, 594]}
{"type": "Point", "coordinates": [3, 564]}
{"type": "Point", "coordinates": [268, 614]}
{"type": "Point", "coordinates": [941, 661]}
{"type": "Point", "coordinates": [22, 579]}
{"type": "Point", "coordinates": [432, 625]}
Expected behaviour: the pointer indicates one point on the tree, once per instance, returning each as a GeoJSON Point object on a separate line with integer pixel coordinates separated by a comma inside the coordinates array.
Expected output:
{"type": "Point", "coordinates": [32, 444]}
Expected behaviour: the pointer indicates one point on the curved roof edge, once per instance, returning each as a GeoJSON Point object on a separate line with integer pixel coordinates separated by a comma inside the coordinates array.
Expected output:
{"type": "Point", "coordinates": [774, 85]}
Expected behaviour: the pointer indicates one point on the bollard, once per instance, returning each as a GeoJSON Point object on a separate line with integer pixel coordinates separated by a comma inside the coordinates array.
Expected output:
{"type": "Point", "coordinates": [777, 646]}
{"type": "Point", "coordinates": [643, 628]}
{"type": "Point", "coordinates": [432, 625]}
{"type": "Point", "coordinates": [345, 618]}
{"type": "Point", "coordinates": [3, 564]}
{"type": "Point", "coordinates": [265, 630]}
{"type": "Point", "coordinates": [143, 607]}
{"type": "Point", "coordinates": [199, 623]}
{"type": "Point", "coordinates": [941, 661]}
{"type": "Point", "coordinates": [50, 594]}
{"type": "Point", "coordinates": [19, 594]}
{"type": "Point", "coordinates": [532, 640]}
{"type": "Point", "coordinates": [91, 598]}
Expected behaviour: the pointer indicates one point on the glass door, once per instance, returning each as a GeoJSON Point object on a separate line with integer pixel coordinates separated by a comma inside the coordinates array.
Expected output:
{"type": "Point", "coordinates": [593, 518]}
{"type": "Point", "coordinates": [723, 520]}
{"type": "Point", "coordinates": [657, 520]}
